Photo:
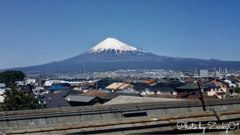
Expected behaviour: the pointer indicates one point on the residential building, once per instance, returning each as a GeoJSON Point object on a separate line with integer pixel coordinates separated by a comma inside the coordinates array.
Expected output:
{"type": "Point", "coordinates": [65, 93]}
{"type": "Point", "coordinates": [214, 90]}
{"type": "Point", "coordinates": [114, 87]}
{"type": "Point", "coordinates": [83, 100]}
{"type": "Point", "coordinates": [102, 84]}
{"type": "Point", "coordinates": [2, 95]}
{"type": "Point", "coordinates": [203, 73]}
{"type": "Point", "coordinates": [55, 100]}
{"type": "Point", "coordinates": [224, 86]}
{"type": "Point", "coordinates": [99, 94]}
{"type": "Point", "coordinates": [56, 89]}
{"type": "Point", "coordinates": [189, 88]}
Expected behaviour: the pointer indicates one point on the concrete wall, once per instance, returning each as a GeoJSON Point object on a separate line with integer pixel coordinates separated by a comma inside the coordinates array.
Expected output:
{"type": "Point", "coordinates": [164, 112]}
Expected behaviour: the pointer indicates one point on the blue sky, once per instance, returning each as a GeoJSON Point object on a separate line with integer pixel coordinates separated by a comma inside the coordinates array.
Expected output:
{"type": "Point", "coordinates": [39, 32]}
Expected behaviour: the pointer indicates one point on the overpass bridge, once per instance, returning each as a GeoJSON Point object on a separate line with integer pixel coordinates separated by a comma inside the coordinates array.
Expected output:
{"type": "Point", "coordinates": [187, 116]}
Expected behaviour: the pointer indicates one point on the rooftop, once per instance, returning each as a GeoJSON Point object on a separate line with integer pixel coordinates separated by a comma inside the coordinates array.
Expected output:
{"type": "Point", "coordinates": [56, 100]}
{"type": "Point", "coordinates": [79, 98]}
{"type": "Point", "coordinates": [70, 92]}
{"type": "Point", "coordinates": [131, 99]}
{"type": "Point", "coordinates": [114, 86]}
{"type": "Point", "coordinates": [110, 96]}
{"type": "Point", "coordinates": [99, 94]}
{"type": "Point", "coordinates": [190, 86]}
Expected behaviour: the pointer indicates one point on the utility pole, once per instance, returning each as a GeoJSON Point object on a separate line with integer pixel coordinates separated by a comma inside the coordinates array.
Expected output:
{"type": "Point", "coordinates": [201, 98]}
{"type": "Point", "coordinates": [124, 81]}
{"type": "Point", "coordinates": [96, 85]}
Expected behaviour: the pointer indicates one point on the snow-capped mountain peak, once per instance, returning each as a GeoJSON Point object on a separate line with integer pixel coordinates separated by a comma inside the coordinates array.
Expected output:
{"type": "Point", "coordinates": [110, 44]}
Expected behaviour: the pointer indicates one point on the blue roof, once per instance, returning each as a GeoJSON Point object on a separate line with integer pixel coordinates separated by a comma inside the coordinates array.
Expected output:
{"type": "Point", "coordinates": [210, 85]}
{"type": "Point", "coordinates": [57, 88]}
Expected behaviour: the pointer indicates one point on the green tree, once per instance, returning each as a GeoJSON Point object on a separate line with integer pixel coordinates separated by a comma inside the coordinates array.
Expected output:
{"type": "Point", "coordinates": [19, 100]}
{"type": "Point", "coordinates": [237, 90]}
{"type": "Point", "coordinates": [11, 76]}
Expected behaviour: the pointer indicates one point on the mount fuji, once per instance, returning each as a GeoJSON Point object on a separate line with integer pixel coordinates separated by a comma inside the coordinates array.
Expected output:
{"type": "Point", "coordinates": [112, 44]}
{"type": "Point", "coordinates": [112, 50]}
{"type": "Point", "coordinates": [112, 54]}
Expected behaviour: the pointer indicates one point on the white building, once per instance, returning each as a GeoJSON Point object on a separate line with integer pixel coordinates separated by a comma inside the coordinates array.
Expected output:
{"type": "Point", "coordinates": [203, 73]}
{"type": "Point", "coordinates": [1, 95]}
{"type": "Point", "coordinates": [50, 82]}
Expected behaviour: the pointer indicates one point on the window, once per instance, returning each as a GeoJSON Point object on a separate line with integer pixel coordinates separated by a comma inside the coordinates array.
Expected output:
{"type": "Point", "coordinates": [135, 114]}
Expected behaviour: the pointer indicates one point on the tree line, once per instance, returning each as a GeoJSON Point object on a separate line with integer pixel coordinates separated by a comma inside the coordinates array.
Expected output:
{"type": "Point", "coordinates": [11, 76]}
{"type": "Point", "coordinates": [15, 99]}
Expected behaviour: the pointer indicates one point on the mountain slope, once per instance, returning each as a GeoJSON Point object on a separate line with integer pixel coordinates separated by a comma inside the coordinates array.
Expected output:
{"type": "Point", "coordinates": [112, 54]}
{"type": "Point", "coordinates": [112, 50]}
{"type": "Point", "coordinates": [112, 44]}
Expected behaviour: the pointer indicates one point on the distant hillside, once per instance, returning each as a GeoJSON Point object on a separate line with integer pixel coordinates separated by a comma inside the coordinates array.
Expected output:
{"type": "Point", "coordinates": [112, 54]}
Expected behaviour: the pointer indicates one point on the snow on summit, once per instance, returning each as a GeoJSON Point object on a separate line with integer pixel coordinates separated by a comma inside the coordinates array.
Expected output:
{"type": "Point", "coordinates": [113, 44]}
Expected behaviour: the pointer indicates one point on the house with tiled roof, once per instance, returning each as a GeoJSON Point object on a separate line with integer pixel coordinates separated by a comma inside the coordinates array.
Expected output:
{"type": "Point", "coordinates": [188, 88]}
{"type": "Point", "coordinates": [174, 84]}
{"type": "Point", "coordinates": [150, 81]}
{"type": "Point", "coordinates": [102, 84]}
{"type": "Point", "coordinates": [114, 87]}
{"type": "Point", "coordinates": [95, 93]}
{"type": "Point", "coordinates": [191, 80]}
{"type": "Point", "coordinates": [85, 86]}
{"type": "Point", "coordinates": [194, 95]}
{"type": "Point", "coordinates": [65, 93]}
{"type": "Point", "coordinates": [141, 90]}
{"type": "Point", "coordinates": [55, 100]}
{"type": "Point", "coordinates": [214, 90]}
{"type": "Point", "coordinates": [83, 100]}
{"type": "Point", "coordinates": [140, 87]}
{"type": "Point", "coordinates": [224, 85]}
{"type": "Point", "coordinates": [125, 86]}
{"type": "Point", "coordinates": [160, 88]}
